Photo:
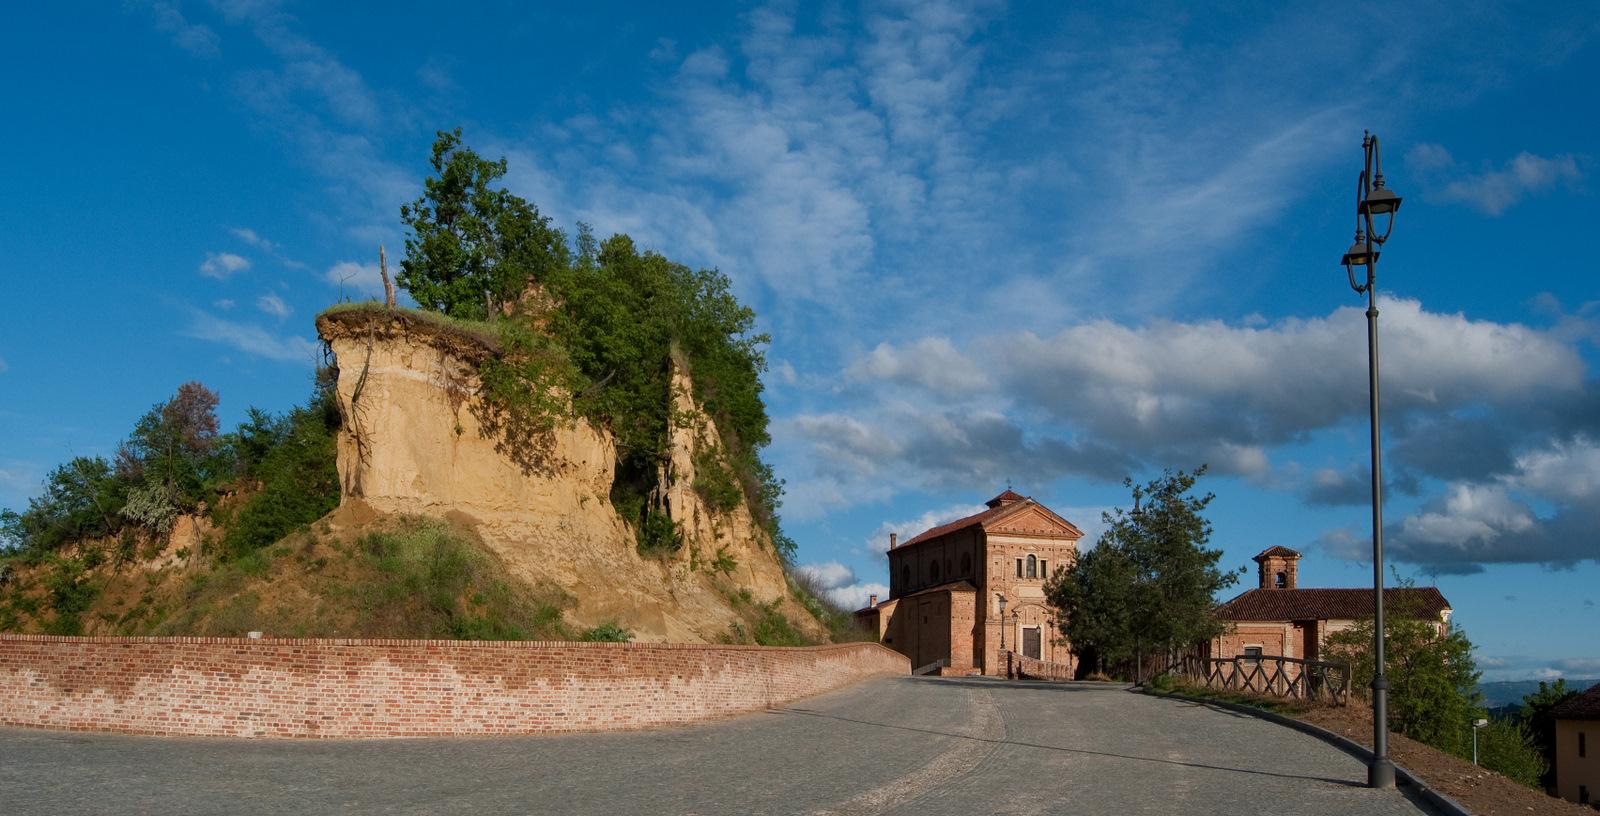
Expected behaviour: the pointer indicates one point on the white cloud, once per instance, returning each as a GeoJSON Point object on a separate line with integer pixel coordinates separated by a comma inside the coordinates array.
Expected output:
{"type": "Point", "coordinates": [224, 304]}
{"type": "Point", "coordinates": [878, 542]}
{"type": "Point", "coordinates": [931, 362]}
{"type": "Point", "coordinates": [356, 278]}
{"type": "Point", "coordinates": [252, 339]}
{"type": "Point", "coordinates": [273, 305]}
{"type": "Point", "coordinates": [1492, 192]}
{"type": "Point", "coordinates": [223, 265]}
{"type": "Point", "coordinates": [838, 583]}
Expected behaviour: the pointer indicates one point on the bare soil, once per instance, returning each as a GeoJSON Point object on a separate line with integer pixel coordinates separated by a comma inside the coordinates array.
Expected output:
{"type": "Point", "coordinates": [1479, 790]}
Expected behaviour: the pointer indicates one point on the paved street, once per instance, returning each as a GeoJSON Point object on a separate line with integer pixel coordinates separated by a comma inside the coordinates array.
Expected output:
{"type": "Point", "coordinates": [900, 746]}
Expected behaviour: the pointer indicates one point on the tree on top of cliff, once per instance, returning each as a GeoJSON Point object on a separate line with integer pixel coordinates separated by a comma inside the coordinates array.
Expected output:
{"type": "Point", "coordinates": [475, 246]}
{"type": "Point", "coordinates": [621, 319]}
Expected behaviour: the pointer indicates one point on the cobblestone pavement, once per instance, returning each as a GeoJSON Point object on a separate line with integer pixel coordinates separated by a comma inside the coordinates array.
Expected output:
{"type": "Point", "coordinates": [894, 746]}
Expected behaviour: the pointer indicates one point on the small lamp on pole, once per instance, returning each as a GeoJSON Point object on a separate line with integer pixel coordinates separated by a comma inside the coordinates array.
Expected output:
{"type": "Point", "coordinates": [1476, 724]}
{"type": "Point", "coordinates": [1002, 623]}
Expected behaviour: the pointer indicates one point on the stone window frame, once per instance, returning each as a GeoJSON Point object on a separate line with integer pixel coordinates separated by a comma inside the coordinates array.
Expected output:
{"type": "Point", "coordinates": [1280, 580]}
{"type": "Point", "coordinates": [1244, 651]}
{"type": "Point", "coordinates": [1033, 567]}
{"type": "Point", "coordinates": [1019, 567]}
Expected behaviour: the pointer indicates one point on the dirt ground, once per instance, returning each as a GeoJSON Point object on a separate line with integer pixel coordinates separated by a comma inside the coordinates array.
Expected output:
{"type": "Point", "coordinates": [1478, 790]}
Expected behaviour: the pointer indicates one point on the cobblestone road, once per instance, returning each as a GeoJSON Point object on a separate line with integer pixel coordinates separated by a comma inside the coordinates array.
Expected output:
{"type": "Point", "coordinates": [896, 746]}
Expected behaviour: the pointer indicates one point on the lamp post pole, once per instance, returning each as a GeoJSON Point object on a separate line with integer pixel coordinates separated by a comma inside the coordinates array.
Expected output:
{"type": "Point", "coordinates": [1373, 198]}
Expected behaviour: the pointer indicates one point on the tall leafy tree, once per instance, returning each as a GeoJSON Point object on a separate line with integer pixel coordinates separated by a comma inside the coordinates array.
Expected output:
{"type": "Point", "coordinates": [475, 246]}
{"type": "Point", "coordinates": [1150, 584]}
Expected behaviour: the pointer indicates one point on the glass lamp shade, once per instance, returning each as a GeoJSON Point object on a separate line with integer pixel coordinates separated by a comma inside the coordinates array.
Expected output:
{"type": "Point", "coordinates": [1357, 254]}
{"type": "Point", "coordinates": [1380, 201]}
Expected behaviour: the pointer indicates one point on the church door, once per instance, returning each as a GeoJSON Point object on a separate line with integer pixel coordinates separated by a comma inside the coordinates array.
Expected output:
{"type": "Point", "coordinates": [1030, 642]}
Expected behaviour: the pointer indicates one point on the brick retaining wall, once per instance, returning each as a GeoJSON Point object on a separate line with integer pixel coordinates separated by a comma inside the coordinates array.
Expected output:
{"type": "Point", "coordinates": [395, 688]}
{"type": "Point", "coordinates": [1023, 667]}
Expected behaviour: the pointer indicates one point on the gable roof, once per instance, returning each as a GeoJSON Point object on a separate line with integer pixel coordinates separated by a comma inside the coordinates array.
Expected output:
{"type": "Point", "coordinates": [1005, 498]}
{"type": "Point", "coordinates": [1330, 604]}
{"type": "Point", "coordinates": [1275, 552]}
{"type": "Point", "coordinates": [1000, 507]}
{"type": "Point", "coordinates": [1584, 706]}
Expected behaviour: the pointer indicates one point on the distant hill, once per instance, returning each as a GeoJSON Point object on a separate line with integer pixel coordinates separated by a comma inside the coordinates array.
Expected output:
{"type": "Point", "coordinates": [1510, 692]}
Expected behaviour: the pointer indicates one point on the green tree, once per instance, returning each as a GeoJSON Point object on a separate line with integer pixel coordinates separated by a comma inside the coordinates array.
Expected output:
{"type": "Point", "coordinates": [1433, 682]}
{"type": "Point", "coordinates": [1150, 584]}
{"type": "Point", "coordinates": [172, 460]}
{"type": "Point", "coordinates": [81, 499]}
{"type": "Point", "coordinates": [1535, 715]}
{"type": "Point", "coordinates": [475, 246]}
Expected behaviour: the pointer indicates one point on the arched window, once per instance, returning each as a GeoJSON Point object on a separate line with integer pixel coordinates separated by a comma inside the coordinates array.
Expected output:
{"type": "Point", "coordinates": [1033, 567]}
{"type": "Point", "coordinates": [966, 564]}
{"type": "Point", "coordinates": [905, 577]}
{"type": "Point", "coordinates": [1281, 580]}
{"type": "Point", "coordinates": [933, 572]}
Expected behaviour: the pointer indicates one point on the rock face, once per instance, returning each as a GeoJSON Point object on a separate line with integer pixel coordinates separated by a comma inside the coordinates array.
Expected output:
{"type": "Point", "coordinates": [412, 443]}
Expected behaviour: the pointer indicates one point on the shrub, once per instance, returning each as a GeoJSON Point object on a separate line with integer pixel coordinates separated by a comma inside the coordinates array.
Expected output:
{"type": "Point", "coordinates": [296, 467]}
{"type": "Point", "coordinates": [1507, 747]}
{"type": "Point", "coordinates": [607, 633]}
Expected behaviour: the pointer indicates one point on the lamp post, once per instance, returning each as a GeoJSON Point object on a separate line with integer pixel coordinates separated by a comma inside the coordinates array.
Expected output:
{"type": "Point", "coordinates": [1374, 199]}
{"type": "Point", "coordinates": [1002, 623]}
{"type": "Point", "coordinates": [1476, 724]}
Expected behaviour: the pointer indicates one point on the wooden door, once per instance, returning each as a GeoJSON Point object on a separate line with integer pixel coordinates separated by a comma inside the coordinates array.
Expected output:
{"type": "Point", "coordinates": [1030, 642]}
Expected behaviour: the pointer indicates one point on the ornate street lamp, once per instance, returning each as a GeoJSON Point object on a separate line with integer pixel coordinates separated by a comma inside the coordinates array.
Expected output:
{"type": "Point", "coordinates": [1374, 199]}
{"type": "Point", "coordinates": [1002, 623]}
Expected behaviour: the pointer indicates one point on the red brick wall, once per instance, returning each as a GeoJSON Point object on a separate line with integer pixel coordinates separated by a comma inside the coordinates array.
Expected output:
{"type": "Point", "coordinates": [392, 688]}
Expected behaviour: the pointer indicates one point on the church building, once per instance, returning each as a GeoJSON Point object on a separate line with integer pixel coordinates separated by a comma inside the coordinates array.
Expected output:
{"type": "Point", "coordinates": [963, 593]}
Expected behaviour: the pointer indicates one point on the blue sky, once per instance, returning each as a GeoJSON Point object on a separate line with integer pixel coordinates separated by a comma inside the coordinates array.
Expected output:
{"type": "Point", "coordinates": [994, 243]}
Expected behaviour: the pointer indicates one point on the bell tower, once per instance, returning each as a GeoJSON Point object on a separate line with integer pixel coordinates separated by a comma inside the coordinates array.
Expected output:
{"type": "Point", "coordinates": [1279, 568]}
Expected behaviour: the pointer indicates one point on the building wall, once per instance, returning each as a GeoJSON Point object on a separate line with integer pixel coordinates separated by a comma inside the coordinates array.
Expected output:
{"type": "Point", "coordinates": [390, 688]}
{"type": "Point", "coordinates": [1024, 596]}
{"type": "Point", "coordinates": [1573, 770]}
{"type": "Point", "coordinates": [911, 567]}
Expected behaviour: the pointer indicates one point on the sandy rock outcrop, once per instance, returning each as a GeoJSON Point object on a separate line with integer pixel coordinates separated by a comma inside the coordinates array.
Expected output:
{"type": "Point", "coordinates": [412, 443]}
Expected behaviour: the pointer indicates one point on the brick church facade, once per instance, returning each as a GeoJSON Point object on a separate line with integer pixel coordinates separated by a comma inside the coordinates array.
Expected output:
{"type": "Point", "coordinates": [949, 585]}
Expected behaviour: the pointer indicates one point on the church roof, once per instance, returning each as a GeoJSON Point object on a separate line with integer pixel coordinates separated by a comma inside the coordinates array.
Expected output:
{"type": "Point", "coordinates": [1275, 552]}
{"type": "Point", "coordinates": [999, 507]}
{"type": "Point", "coordinates": [1585, 706]}
{"type": "Point", "coordinates": [1330, 604]}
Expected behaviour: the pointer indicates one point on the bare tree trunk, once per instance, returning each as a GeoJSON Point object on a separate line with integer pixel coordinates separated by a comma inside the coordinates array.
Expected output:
{"type": "Point", "coordinates": [388, 285]}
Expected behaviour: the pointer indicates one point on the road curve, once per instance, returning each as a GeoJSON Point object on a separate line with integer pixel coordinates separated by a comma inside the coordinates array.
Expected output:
{"type": "Point", "coordinates": [898, 746]}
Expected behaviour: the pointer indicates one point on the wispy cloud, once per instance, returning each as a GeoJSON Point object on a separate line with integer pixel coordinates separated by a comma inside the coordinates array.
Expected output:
{"type": "Point", "coordinates": [1493, 191]}
{"type": "Point", "coordinates": [273, 305]}
{"type": "Point", "coordinates": [223, 265]}
{"type": "Point", "coordinates": [254, 239]}
{"type": "Point", "coordinates": [196, 38]}
{"type": "Point", "coordinates": [251, 339]}
{"type": "Point", "coordinates": [355, 278]}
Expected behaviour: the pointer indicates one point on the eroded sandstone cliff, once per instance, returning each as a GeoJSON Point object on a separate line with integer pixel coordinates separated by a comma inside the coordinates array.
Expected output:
{"type": "Point", "coordinates": [413, 443]}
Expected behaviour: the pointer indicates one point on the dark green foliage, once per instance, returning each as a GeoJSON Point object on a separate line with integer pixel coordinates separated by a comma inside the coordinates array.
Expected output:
{"type": "Point", "coordinates": [1507, 747]}
{"type": "Point", "coordinates": [1535, 714]}
{"type": "Point", "coordinates": [293, 460]}
{"type": "Point", "coordinates": [771, 628]}
{"type": "Point", "coordinates": [72, 591]}
{"type": "Point", "coordinates": [81, 499]}
{"type": "Point", "coordinates": [1150, 584]}
{"type": "Point", "coordinates": [447, 588]}
{"type": "Point", "coordinates": [607, 633]}
{"type": "Point", "coordinates": [621, 320]}
{"type": "Point", "coordinates": [842, 626]}
{"type": "Point", "coordinates": [716, 484]}
{"type": "Point", "coordinates": [659, 534]}
{"type": "Point", "coordinates": [474, 246]}
{"type": "Point", "coordinates": [1433, 683]}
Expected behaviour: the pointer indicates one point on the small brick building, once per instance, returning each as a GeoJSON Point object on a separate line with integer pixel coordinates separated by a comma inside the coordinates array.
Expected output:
{"type": "Point", "coordinates": [1280, 618]}
{"type": "Point", "coordinates": [946, 586]}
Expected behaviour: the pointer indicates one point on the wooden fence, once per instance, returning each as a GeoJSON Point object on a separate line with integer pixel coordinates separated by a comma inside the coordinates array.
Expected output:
{"type": "Point", "coordinates": [1273, 675]}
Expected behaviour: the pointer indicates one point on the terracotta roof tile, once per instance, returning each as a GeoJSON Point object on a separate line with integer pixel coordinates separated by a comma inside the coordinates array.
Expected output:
{"type": "Point", "coordinates": [1008, 497]}
{"type": "Point", "coordinates": [1585, 706]}
{"type": "Point", "coordinates": [958, 524]}
{"type": "Point", "coordinates": [1329, 604]}
{"type": "Point", "coordinates": [1279, 552]}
